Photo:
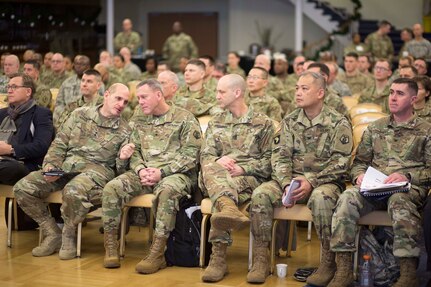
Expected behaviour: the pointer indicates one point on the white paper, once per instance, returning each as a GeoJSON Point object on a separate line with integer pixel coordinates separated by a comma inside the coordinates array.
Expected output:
{"type": "Point", "coordinates": [287, 196]}
{"type": "Point", "coordinates": [374, 179]}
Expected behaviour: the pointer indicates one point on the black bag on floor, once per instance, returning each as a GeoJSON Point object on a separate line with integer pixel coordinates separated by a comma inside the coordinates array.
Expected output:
{"type": "Point", "coordinates": [183, 245]}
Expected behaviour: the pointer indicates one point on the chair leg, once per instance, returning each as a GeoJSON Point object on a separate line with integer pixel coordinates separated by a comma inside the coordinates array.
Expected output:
{"type": "Point", "coordinates": [9, 223]}
{"type": "Point", "coordinates": [310, 225]}
{"type": "Point", "coordinates": [78, 240]}
{"type": "Point", "coordinates": [203, 240]}
{"type": "Point", "coordinates": [151, 226]}
{"type": "Point", "coordinates": [250, 250]}
{"type": "Point", "coordinates": [292, 226]}
{"type": "Point", "coordinates": [273, 238]}
{"type": "Point", "coordinates": [123, 230]}
{"type": "Point", "coordinates": [15, 213]}
{"type": "Point", "coordinates": [356, 254]}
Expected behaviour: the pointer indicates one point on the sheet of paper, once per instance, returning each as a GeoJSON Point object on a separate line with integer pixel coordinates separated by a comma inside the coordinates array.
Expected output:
{"type": "Point", "coordinates": [373, 179]}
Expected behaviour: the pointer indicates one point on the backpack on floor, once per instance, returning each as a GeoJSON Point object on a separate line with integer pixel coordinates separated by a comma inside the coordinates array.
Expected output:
{"type": "Point", "coordinates": [379, 244]}
{"type": "Point", "coordinates": [183, 245]}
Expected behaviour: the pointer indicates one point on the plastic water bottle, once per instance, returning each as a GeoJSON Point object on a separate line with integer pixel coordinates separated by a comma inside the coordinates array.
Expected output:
{"type": "Point", "coordinates": [366, 276]}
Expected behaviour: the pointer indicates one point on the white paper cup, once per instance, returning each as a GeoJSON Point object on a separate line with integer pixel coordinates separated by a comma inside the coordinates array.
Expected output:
{"type": "Point", "coordinates": [281, 270]}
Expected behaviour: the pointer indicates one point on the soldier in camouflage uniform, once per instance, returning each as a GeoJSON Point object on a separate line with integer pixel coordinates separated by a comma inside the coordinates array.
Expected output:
{"type": "Point", "coordinates": [341, 88]}
{"type": "Point", "coordinates": [131, 72]}
{"type": "Point", "coordinates": [419, 47]}
{"type": "Point", "coordinates": [178, 45]}
{"type": "Point", "coordinates": [378, 92]}
{"type": "Point", "coordinates": [151, 69]}
{"type": "Point", "coordinates": [42, 95]}
{"type": "Point", "coordinates": [256, 97]}
{"type": "Point", "coordinates": [275, 87]}
{"type": "Point", "coordinates": [313, 147]}
{"type": "Point", "coordinates": [400, 146]}
{"type": "Point", "coordinates": [234, 161]}
{"type": "Point", "coordinates": [54, 77]}
{"type": "Point", "coordinates": [70, 89]}
{"type": "Point", "coordinates": [195, 96]}
{"type": "Point", "coordinates": [356, 81]}
{"type": "Point", "coordinates": [90, 85]}
{"type": "Point", "coordinates": [87, 144]}
{"type": "Point", "coordinates": [379, 44]}
{"type": "Point", "coordinates": [164, 149]}
{"type": "Point", "coordinates": [11, 66]}
{"type": "Point", "coordinates": [422, 105]}
{"type": "Point", "coordinates": [233, 67]}
{"type": "Point", "coordinates": [128, 38]}
{"type": "Point", "coordinates": [209, 81]}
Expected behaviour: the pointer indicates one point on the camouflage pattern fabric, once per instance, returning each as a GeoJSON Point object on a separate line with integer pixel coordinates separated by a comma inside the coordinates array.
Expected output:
{"type": "Point", "coordinates": [199, 103]}
{"type": "Point", "coordinates": [42, 96]}
{"type": "Point", "coordinates": [131, 41]}
{"type": "Point", "coordinates": [357, 83]}
{"type": "Point", "coordinates": [237, 71]}
{"type": "Point", "coordinates": [52, 80]}
{"type": "Point", "coordinates": [380, 46]}
{"type": "Point", "coordinates": [266, 105]}
{"type": "Point", "coordinates": [371, 95]}
{"type": "Point", "coordinates": [177, 46]}
{"type": "Point", "coordinates": [389, 147]}
{"type": "Point", "coordinates": [4, 81]}
{"type": "Point", "coordinates": [419, 49]}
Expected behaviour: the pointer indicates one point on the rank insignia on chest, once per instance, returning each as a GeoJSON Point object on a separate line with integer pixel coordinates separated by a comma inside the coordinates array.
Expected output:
{"type": "Point", "coordinates": [344, 139]}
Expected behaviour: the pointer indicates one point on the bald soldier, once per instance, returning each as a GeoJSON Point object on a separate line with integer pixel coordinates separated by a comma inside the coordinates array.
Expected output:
{"type": "Point", "coordinates": [234, 161]}
{"type": "Point", "coordinates": [87, 146]}
{"type": "Point", "coordinates": [400, 147]}
{"type": "Point", "coordinates": [163, 150]}
{"type": "Point", "coordinates": [10, 67]}
{"type": "Point", "coordinates": [313, 148]}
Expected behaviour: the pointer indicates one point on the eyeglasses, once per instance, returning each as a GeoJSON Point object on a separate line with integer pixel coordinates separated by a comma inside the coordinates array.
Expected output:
{"type": "Point", "coordinates": [14, 87]}
{"type": "Point", "coordinates": [254, 78]}
{"type": "Point", "coordinates": [381, 68]}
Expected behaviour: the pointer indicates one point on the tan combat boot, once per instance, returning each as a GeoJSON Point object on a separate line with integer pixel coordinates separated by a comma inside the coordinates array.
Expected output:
{"type": "Point", "coordinates": [229, 217]}
{"type": "Point", "coordinates": [155, 260]}
{"type": "Point", "coordinates": [51, 239]}
{"type": "Point", "coordinates": [68, 244]}
{"type": "Point", "coordinates": [260, 269]}
{"type": "Point", "coordinates": [344, 275]}
{"type": "Point", "coordinates": [326, 270]}
{"type": "Point", "coordinates": [408, 276]}
{"type": "Point", "coordinates": [217, 267]}
{"type": "Point", "coordinates": [112, 259]}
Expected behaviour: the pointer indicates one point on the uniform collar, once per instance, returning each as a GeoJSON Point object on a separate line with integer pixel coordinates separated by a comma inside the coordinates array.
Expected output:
{"type": "Point", "coordinates": [320, 119]}
{"type": "Point", "coordinates": [230, 119]}
{"type": "Point", "coordinates": [410, 124]}
{"type": "Point", "coordinates": [102, 121]}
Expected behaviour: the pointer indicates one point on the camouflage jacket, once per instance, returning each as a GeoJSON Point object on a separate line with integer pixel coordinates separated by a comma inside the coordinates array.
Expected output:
{"type": "Point", "coordinates": [424, 113]}
{"type": "Point", "coordinates": [380, 47]}
{"type": "Point", "coordinates": [265, 105]}
{"type": "Point", "coordinates": [357, 83]}
{"type": "Point", "coordinates": [170, 142]}
{"type": "Point", "coordinates": [42, 96]}
{"type": "Point", "coordinates": [89, 142]}
{"type": "Point", "coordinates": [419, 49]}
{"type": "Point", "coordinates": [177, 46]}
{"type": "Point", "coordinates": [131, 41]}
{"type": "Point", "coordinates": [391, 147]}
{"type": "Point", "coordinates": [371, 95]}
{"type": "Point", "coordinates": [246, 139]}
{"type": "Point", "coordinates": [319, 149]}
{"type": "Point", "coordinates": [198, 103]}
{"type": "Point", "coordinates": [70, 91]}
{"type": "Point", "coordinates": [237, 71]}
{"type": "Point", "coordinates": [52, 80]}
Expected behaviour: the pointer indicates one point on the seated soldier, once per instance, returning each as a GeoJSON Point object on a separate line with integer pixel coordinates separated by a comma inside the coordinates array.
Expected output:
{"type": "Point", "coordinates": [234, 161]}
{"type": "Point", "coordinates": [313, 148]}
{"type": "Point", "coordinates": [164, 149]}
{"type": "Point", "coordinates": [87, 144]}
{"type": "Point", "coordinates": [399, 146]}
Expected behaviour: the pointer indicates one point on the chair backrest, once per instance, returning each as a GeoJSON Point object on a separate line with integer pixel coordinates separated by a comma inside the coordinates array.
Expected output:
{"type": "Point", "coordinates": [203, 121]}
{"type": "Point", "coordinates": [54, 93]}
{"type": "Point", "coordinates": [358, 131]}
{"type": "Point", "coordinates": [366, 118]}
{"type": "Point", "coordinates": [364, 108]}
{"type": "Point", "coordinates": [132, 87]}
{"type": "Point", "coordinates": [349, 102]}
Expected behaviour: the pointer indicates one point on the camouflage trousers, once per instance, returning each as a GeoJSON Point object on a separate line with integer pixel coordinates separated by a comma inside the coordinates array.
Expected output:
{"type": "Point", "coordinates": [321, 202]}
{"type": "Point", "coordinates": [125, 187]}
{"type": "Point", "coordinates": [79, 194]}
{"type": "Point", "coordinates": [402, 208]}
{"type": "Point", "coordinates": [216, 182]}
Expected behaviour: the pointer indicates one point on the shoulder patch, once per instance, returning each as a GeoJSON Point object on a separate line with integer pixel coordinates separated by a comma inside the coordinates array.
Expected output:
{"type": "Point", "coordinates": [344, 139]}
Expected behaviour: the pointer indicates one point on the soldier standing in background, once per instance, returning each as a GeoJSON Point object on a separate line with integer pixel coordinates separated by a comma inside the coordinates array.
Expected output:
{"type": "Point", "coordinates": [128, 38]}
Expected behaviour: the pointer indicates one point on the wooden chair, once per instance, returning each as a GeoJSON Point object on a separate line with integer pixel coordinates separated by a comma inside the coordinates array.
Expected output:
{"type": "Point", "coordinates": [358, 131]}
{"type": "Point", "coordinates": [3, 101]}
{"type": "Point", "coordinates": [203, 121]}
{"type": "Point", "coordinates": [298, 212]}
{"type": "Point", "coordinates": [144, 200]}
{"type": "Point", "coordinates": [7, 192]}
{"type": "Point", "coordinates": [367, 117]}
{"type": "Point", "coordinates": [54, 94]}
{"type": "Point", "coordinates": [364, 108]}
{"type": "Point", "coordinates": [349, 102]}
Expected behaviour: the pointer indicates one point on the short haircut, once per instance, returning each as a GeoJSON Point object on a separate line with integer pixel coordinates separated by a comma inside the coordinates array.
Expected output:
{"type": "Point", "coordinates": [235, 81]}
{"type": "Point", "coordinates": [34, 63]}
{"type": "Point", "coordinates": [209, 58]}
{"type": "Point", "coordinates": [234, 53]}
{"type": "Point", "coordinates": [351, 54]}
{"type": "Point", "coordinates": [93, 72]}
{"type": "Point", "coordinates": [318, 78]}
{"type": "Point", "coordinates": [165, 63]}
{"type": "Point", "coordinates": [323, 68]}
{"type": "Point", "coordinates": [414, 70]}
{"type": "Point", "coordinates": [264, 72]}
{"type": "Point", "coordinates": [197, 63]}
{"type": "Point", "coordinates": [385, 60]}
{"type": "Point", "coordinates": [154, 85]}
{"type": "Point", "coordinates": [27, 82]}
{"type": "Point", "coordinates": [172, 76]}
{"type": "Point", "coordinates": [408, 58]}
{"type": "Point", "coordinates": [120, 56]}
{"type": "Point", "coordinates": [426, 83]}
{"type": "Point", "coordinates": [411, 84]}
{"type": "Point", "coordinates": [384, 23]}
{"type": "Point", "coordinates": [423, 60]}
{"type": "Point", "coordinates": [408, 30]}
